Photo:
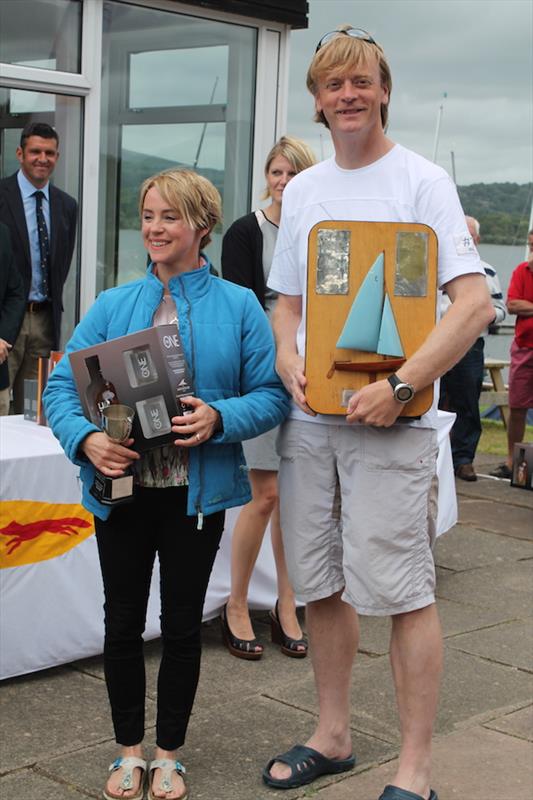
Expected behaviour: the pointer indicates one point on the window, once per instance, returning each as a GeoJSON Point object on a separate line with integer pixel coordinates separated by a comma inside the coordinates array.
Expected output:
{"type": "Point", "coordinates": [177, 91]}
{"type": "Point", "coordinates": [41, 33]}
{"type": "Point", "coordinates": [64, 114]}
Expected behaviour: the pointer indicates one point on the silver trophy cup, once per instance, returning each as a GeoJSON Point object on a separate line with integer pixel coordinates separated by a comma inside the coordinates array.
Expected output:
{"type": "Point", "coordinates": [117, 422]}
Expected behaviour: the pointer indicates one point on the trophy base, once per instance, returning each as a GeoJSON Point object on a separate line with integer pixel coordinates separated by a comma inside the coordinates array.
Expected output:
{"type": "Point", "coordinates": [112, 491]}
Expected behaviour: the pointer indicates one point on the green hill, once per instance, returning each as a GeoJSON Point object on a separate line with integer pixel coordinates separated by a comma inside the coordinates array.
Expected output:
{"type": "Point", "coordinates": [502, 209]}
{"type": "Point", "coordinates": [136, 167]}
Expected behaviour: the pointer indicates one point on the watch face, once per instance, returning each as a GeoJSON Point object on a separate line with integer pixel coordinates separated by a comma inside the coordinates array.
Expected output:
{"type": "Point", "coordinates": [403, 393]}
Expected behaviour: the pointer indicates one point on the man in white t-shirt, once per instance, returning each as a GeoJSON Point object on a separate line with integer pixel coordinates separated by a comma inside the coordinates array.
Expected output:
{"type": "Point", "coordinates": [358, 492]}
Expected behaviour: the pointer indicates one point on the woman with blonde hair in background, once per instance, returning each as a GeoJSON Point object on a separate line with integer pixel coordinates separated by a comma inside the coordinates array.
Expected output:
{"type": "Point", "coordinates": [247, 251]}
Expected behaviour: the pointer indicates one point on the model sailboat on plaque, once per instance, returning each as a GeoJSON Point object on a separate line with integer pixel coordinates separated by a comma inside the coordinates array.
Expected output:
{"type": "Point", "coordinates": [371, 327]}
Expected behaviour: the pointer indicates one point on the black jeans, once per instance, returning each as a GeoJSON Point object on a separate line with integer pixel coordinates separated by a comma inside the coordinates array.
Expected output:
{"type": "Point", "coordinates": [155, 522]}
{"type": "Point", "coordinates": [459, 391]}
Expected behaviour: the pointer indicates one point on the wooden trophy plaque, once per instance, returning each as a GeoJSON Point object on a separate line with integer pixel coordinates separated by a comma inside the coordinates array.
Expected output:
{"type": "Point", "coordinates": [371, 303]}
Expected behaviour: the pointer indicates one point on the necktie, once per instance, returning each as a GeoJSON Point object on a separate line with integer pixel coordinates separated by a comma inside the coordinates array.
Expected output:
{"type": "Point", "coordinates": [44, 243]}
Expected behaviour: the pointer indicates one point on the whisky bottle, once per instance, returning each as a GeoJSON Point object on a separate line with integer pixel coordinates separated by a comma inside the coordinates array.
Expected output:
{"type": "Point", "coordinates": [100, 392]}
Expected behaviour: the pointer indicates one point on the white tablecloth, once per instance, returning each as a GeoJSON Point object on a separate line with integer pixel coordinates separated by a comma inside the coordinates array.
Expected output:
{"type": "Point", "coordinates": [51, 608]}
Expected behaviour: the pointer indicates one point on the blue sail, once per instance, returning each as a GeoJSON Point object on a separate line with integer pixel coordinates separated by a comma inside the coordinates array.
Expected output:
{"type": "Point", "coordinates": [363, 323]}
{"type": "Point", "coordinates": [389, 343]}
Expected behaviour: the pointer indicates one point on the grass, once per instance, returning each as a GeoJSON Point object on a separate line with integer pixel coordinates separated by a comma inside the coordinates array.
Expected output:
{"type": "Point", "coordinates": [494, 437]}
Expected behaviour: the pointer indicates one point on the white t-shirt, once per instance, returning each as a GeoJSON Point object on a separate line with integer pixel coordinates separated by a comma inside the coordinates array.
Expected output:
{"type": "Point", "coordinates": [400, 187]}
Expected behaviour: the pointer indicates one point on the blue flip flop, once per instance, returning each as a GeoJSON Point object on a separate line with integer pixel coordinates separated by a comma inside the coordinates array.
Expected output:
{"type": "Point", "coordinates": [306, 765]}
{"type": "Point", "coordinates": [394, 793]}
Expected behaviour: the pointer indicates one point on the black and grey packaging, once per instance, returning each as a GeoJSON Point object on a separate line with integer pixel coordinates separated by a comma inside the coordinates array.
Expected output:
{"type": "Point", "coordinates": [149, 373]}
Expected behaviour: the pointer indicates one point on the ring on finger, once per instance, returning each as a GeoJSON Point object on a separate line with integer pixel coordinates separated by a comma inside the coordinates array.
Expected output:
{"type": "Point", "coordinates": [197, 437]}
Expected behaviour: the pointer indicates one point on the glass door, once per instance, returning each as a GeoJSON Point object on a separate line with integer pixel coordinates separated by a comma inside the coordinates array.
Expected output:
{"type": "Point", "coordinates": [178, 91]}
{"type": "Point", "coordinates": [64, 114]}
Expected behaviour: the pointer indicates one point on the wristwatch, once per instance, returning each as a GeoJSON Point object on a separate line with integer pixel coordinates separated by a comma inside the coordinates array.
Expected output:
{"type": "Point", "coordinates": [403, 392]}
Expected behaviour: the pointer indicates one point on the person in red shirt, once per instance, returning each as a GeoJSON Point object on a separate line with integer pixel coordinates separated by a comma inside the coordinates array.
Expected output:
{"type": "Point", "coordinates": [520, 302]}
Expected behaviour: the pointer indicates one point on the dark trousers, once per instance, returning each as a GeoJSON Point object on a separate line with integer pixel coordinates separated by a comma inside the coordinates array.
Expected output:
{"type": "Point", "coordinates": [459, 392]}
{"type": "Point", "coordinates": [155, 522]}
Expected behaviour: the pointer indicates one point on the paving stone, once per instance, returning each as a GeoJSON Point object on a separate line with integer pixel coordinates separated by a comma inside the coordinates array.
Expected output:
{"type": "Point", "coordinates": [499, 491]}
{"type": "Point", "coordinates": [226, 750]}
{"type": "Point", "coordinates": [518, 723]}
{"type": "Point", "coordinates": [95, 664]}
{"type": "Point", "coordinates": [239, 677]}
{"type": "Point", "coordinates": [92, 666]}
{"type": "Point", "coordinates": [465, 548]}
{"type": "Point", "coordinates": [277, 727]}
{"type": "Point", "coordinates": [471, 687]}
{"type": "Point", "coordinates": [510, 643]}
{"type": "Point", "coordinates": [374, 635]}
{"type": "Point", "coordinates": [461, 618]}
{"type": "Point", "coordinates": [505, 588]}
{"type": "Point", "coordinates": [28, 735]}
{"type": "Point", "coordinates": [455, 618]}
{"type": "Point", "coordinates": [58, 721]}
{"type": "Point", "coordinates": [86, 768]}
{"type": "Point", "coordinates": [474, 688]}
{"type": "Point", "coordinates": [476, 764]}
{"type": "Point", "coordinates": [497, 517]}
{"type": "Point", "coordinates": [487, 459]}
{"type": "Point", "coordinates": [30, 785]}
{"type": "Point", "coordinates": [219, 668]}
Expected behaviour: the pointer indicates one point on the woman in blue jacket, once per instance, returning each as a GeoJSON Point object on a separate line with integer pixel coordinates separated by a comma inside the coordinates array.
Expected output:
{"type": "Point", "coordinates": [183, 489]}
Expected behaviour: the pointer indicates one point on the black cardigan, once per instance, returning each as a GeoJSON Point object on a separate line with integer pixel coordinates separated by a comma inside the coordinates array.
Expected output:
{"type": "Point", "coordinates": [242, 255]}
{"type": "Point", "coordinates": [63, 219]}
{"type": "Point", "coordinates": [12, 298]}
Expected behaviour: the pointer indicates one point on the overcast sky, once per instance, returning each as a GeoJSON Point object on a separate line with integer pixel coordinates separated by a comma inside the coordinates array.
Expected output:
{"type": "Point", "coordinates": [477, 51]}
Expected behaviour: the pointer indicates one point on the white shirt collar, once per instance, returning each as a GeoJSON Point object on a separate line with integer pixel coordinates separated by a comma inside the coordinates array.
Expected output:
{"type": "Point", "coordinates": [27, 189]}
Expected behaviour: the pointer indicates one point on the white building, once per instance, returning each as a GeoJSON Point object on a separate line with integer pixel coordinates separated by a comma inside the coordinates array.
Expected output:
{"type": "Point", "coordinates": [135, 87]}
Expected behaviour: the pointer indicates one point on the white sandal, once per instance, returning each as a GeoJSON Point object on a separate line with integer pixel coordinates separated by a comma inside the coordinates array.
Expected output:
{"type": "Point", "coordinates": [167, 767]}
{"type": "Point", "coordinates": [127, 765]}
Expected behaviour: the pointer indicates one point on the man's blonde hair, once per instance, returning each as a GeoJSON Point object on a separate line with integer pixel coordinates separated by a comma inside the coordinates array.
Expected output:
{"type": "Point", "coordinates": [192, 196]}
{"type": "Point", "coordinates": [342, 54]}
{"type": "Point", "coordinates": [296, 151]}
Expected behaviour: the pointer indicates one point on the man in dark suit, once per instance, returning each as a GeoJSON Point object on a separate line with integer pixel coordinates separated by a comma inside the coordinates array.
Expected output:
{"type": "Point", "coordinates": [12, 306]}
{"type": "Point", "coordinates": [42, 224]}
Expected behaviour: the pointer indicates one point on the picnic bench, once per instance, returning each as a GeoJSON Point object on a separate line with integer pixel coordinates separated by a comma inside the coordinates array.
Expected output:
{"type": "Point", "coordinates": [495, 392]}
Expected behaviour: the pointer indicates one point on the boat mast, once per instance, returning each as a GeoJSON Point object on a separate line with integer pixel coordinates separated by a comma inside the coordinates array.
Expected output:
{"type": "Point", "coordinates": [437, 130]}
{"type": "Point", "coordinates": [530, 228]}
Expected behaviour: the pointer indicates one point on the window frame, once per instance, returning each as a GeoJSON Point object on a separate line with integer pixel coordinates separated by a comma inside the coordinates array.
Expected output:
{"type": "Point", "coordinates": [269, 114]}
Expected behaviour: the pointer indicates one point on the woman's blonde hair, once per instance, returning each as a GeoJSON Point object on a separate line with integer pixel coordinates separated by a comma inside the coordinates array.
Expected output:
{"type": "Point", "coordinates": [192, 196]}
{"type": "Point", "coordinates": [342, 54]}
{"type": "Point", "coordinates": [297, 152]}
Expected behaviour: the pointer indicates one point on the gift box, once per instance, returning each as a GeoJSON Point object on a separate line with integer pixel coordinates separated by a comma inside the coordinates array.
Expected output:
{"type": "Point", "coordinates": [34, 388]}
{"type": "Point", "coordinates": [30, 399]}
{"type": "Point", "coordinates": [145, 370]}
{"type": "Point", "coordinates": [522, 476]}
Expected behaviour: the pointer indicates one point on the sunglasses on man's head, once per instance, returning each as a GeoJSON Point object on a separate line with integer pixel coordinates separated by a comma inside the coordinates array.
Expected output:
{"type": "Point", "coordinates": [355, 33]}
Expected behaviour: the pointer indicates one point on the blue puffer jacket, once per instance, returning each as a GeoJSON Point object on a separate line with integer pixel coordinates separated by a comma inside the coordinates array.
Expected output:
{"type": "Point", "coordinates": [230, 351]}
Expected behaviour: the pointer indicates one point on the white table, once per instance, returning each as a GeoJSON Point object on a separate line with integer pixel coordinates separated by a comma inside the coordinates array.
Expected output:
{"type": "Point", "coordinates": [51, 597]}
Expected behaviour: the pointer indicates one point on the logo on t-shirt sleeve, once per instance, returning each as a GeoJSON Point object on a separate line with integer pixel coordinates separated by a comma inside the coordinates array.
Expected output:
{"type": "Point", "coordinates": [464, 244]}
